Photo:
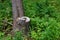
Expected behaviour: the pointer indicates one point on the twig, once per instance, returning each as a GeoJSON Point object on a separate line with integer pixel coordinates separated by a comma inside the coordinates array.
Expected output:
{"type": "Point", "coordinates": [7, 22]}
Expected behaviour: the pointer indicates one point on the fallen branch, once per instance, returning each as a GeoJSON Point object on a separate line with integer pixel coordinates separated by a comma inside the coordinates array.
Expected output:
{"type": "Point", "coordinates": [4, 21]}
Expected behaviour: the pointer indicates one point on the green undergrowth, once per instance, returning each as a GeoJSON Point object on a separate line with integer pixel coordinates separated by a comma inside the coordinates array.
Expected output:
{"type": "Point", "coordinates": [44, 15]}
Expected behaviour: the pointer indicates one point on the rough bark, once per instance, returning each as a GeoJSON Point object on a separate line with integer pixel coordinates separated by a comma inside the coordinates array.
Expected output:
{"type": "Point", "coordinates": [18, 16]}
